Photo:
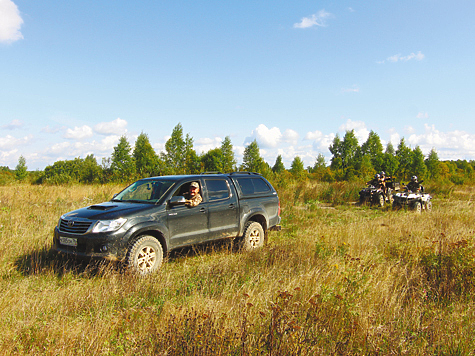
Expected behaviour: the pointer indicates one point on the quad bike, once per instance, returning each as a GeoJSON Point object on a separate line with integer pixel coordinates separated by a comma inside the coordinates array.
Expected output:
{"type": "Point", "coordinates": [376, 196]}
{"type": "Point", "coordinates": [417, 201]}
{"type": "Point", "coordinates": [372, 195]}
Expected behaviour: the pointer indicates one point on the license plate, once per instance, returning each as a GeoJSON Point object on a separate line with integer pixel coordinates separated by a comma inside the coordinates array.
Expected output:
{"type": "Point", "coordinates": [68, 241]}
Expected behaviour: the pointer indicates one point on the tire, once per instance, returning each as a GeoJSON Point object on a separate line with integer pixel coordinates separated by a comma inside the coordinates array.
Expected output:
{"type": "Point", "coordinates": [380, 200]}
{"type": "Point", "coordinates": [396, 205]}
{"type": "Point", "coordinates": [429, 205]}
{"type": "Point", "coordinates": [253, 236]}
{"type": "Point", "coordinates": [390, 196]}
{"type": "Point", "coordinates": [417, 207]}
{"type": "Point", "coordinates": [145, 255]}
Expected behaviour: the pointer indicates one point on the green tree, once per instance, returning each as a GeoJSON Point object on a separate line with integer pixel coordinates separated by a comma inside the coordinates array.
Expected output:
{"type": "Point", "coordinates": [374, 149]}
{"type": "Point", "coordinates": [192, 161]}
{"type": "Point", "coordinates": [122, 163]}
{"type": "Point", "coordinates": [175, 152]}
{"type": "Point", "coordinates": [90, 171]}
{"type": "Point", "coordinates": [418, 165]}
{"type": "Point", "coordinates": [146, 159]}
{"type": "Point", "coordinates": [21, 170]}
{"type": "Point", "coordinates": [252, 160]}
{"type": "Point", "coordinates": [390, 162]}
{"type": "Point", "coordinates": [297, 168]}
{"type": "Point", "coordinates": [212, 160]}
{"type": "Point", "coordinates": [336, 150]}
{"type": "Point", "coordinates": [433, 164]}
{"type": "Point", "coordinates": [404, 158]}
{"type": "Point", "coordinates": [279, 165]}
{"type": "Point", "coordinates": [229, 160]}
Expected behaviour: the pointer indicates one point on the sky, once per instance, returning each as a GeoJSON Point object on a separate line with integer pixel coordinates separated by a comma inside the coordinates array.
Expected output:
{"type": "Point", "coordinates": [75, 76]}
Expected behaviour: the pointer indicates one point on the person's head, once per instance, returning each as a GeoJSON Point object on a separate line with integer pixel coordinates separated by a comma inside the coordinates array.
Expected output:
{"type": "Point", "coordinates": [377, 176]}
{"type": "Point", "coordinates": [414, 179]}
{"type": "Point", "coordinates": [382, 174]}
{"type": "Point", "coordinates": [194, 188]}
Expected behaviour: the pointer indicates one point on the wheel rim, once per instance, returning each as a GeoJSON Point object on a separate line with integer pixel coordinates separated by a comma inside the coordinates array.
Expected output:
{"type": "Point", "coordinates": [146, 259]}
{"type": "Point", "coordinates": [254, 238]}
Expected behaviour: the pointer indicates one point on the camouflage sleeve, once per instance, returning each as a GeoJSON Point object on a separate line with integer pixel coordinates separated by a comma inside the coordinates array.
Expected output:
{"type": "Point", "coordinates": [196, 200]}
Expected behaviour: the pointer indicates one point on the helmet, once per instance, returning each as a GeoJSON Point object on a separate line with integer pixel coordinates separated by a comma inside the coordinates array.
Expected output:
{"type": "Point", "coordinates": [377, 176]}
{"type": "Point", "coordinates": [382, 173]}
{"type": "Point", "coordinates": [414, 178]}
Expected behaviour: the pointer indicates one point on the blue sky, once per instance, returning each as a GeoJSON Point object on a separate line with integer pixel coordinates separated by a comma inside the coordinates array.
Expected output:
{"type": "Point", "coordinates": [77, 75]}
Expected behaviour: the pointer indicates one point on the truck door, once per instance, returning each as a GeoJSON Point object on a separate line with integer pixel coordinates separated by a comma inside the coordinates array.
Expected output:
{"type": "Point", "coordinates": [223, 208]}
{"type": "Point", "coordinates": [187, 225]}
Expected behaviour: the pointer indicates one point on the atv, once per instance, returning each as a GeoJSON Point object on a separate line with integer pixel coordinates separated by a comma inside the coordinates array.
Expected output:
{"type": "Point", "coordinates": [372, 195]}
{"type": "Point", "coordinates": [416, 201]}
{"type": "Point", "coordinates": [376, 196]}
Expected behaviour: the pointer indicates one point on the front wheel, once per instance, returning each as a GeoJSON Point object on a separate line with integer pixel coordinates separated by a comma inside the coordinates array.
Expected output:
{"type": "Point", "coordinates": [253, 236]}
{"type": "Point", "coordinates": [417, 207]}
{"type": "Point", "coordinates": [145, 255]}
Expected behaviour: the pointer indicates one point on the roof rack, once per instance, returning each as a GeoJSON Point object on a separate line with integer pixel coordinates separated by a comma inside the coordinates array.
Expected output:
{"type": "Point", "coordinates": [212, 172]}
{"type": "Point", "coordinates": [250, 173]}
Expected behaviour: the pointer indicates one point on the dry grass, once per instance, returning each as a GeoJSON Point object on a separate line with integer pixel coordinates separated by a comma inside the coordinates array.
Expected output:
{"type": "Point", "coordinates": [339, 279]}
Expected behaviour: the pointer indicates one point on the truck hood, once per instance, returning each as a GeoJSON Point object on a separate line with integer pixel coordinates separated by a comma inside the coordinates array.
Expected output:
{"type": "Point", "coordinates": [110, 210]}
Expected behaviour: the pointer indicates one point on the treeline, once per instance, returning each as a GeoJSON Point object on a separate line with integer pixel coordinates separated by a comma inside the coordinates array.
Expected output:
{"type": "Point", "coordinates": [350, 161]}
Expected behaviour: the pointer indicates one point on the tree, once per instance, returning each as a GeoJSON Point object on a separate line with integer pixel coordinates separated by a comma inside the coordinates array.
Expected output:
{"type": "Point", "coordinates": [90, 171]}
{"type": "Point", "coordinates": [335, 149]}
{"type": "Point", "coordinates": [374, 149]}
{"type": "Point", "coordinates": [252, 160]}
{"type": "Point", "coordinates": [390, 162]}
{"type": "Point", "coordinates": [297, 168]}
{"type": "Point", "coordinates": [433, 164]}
{"type": "Point", "coordinates": [21, 170]}
{"type": "Point", "coordinates": [192, 161]}
{"type": "Point", "coordinates": [229, 160]}
{"type": "Point", "coordinates": [175, 155]}
{"type": "Point", "coordinates": [418, 166]}
{"type": "Point", "coordinates": [146, 159]}
{"type": "Point", "coordinates": [122, 163]}
{"type": "Point", "coordinates": [279, 165]}
{"type": "Point", "coordinates": [404, 158]}
{"type": "Point", "coordinates": [213, 160]}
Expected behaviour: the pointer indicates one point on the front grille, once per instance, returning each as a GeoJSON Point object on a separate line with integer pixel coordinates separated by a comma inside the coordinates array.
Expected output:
{"type": "Point", "coordinates": [74, 226]}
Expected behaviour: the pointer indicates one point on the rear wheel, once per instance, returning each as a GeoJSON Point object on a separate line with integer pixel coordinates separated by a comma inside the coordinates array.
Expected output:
{"type": "Point", "coordinates": [253, 236]}
{"type": "Point", "coordinates": [429, 205]}
{"type": "Point", "coordinates": [145, 255]}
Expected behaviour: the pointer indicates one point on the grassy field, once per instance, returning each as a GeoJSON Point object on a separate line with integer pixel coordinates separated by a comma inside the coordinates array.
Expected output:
{"type": "Point", "coordinates": [340, 279]}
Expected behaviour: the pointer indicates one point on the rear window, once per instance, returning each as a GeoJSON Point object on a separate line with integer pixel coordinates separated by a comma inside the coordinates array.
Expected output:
{"type": "Point", "coordinates": [253, 185]}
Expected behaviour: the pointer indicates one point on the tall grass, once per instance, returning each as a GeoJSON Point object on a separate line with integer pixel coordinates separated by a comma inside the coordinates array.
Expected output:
{"type": "Point", "coordinates": [339, 279]}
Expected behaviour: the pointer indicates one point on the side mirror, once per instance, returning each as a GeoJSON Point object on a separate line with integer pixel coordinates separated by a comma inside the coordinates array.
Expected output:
{"type": "Point", "coordinates": [177, 200]}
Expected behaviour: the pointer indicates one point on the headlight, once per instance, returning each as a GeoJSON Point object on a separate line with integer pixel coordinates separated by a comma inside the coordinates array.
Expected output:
{"type": "Point", "coordinates": [109, 225]}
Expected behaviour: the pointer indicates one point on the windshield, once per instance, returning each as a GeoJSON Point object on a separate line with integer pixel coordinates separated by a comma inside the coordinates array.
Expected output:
{"type": "Point", "coordinates": [144, 191]}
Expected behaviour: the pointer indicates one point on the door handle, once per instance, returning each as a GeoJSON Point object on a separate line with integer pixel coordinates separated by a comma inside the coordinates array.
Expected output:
{"type": "Point", "coordinates": [202, 210]}
{"type": "Point", "coordinates": [231, 206]}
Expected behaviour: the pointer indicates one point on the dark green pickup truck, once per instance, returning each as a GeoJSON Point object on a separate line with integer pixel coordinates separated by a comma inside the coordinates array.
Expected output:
{"type": "Point", "coordinates": [151, 217]}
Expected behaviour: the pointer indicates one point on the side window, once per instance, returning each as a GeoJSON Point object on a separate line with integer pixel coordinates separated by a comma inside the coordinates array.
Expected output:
{"type": "Point", "coordinates": [253, 185]}
{"type": "Point", "coordinates": [260, 186]}
{"type": "Point", "coordinates": [217, 189]}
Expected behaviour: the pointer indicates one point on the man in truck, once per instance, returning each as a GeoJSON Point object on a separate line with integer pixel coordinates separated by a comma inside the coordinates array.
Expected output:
{"type": "Point", "coordinates": [193, 196]}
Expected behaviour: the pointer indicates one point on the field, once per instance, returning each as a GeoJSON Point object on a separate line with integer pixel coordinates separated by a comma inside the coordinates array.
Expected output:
{"type": "Point", "coordinates": [340, 279]}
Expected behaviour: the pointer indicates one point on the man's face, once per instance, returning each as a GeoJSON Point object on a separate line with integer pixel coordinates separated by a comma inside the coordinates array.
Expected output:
{"type": "Point", "coordinates": [194, 190]}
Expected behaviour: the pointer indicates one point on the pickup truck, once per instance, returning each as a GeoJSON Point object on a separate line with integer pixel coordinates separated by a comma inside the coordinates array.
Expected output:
{"type": "Point", "coordinates": [151, 217]}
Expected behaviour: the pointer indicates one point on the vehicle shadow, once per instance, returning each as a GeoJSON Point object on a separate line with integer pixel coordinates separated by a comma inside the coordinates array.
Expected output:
{"type": "Point", "coordinates": [47, 260]}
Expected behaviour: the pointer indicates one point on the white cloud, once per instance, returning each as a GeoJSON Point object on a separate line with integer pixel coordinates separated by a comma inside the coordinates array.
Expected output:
{"type": "Point", "coordinates": [203, 145]}
{"type": "Point", "coordinates": [290, 136]}
{"type": "Point", "coordinates": [9, 141]}
{"type": "Point", "coordinates": [79, 133]}
{"type": "Point", "coordinates": [15, 124]}
{"type": "Point", "coordinates": [10, 22]}
{"type": "Point", "coordinates": [317, 19]}
{"type": "Point", "coordinates": [7, 155]}
{"type": "Point", "coordinates": [361, 132]}
{"type": "Point", "coordinates": [266, 138]}
{"type": "Point", "coordinates": [353, 89]}
{"type": "Point", "coordinates": [399, 58]}
{"type": "Point", "coordinates": [422, 115]}
{"type": "Point", "coordinates": [116, 127]}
